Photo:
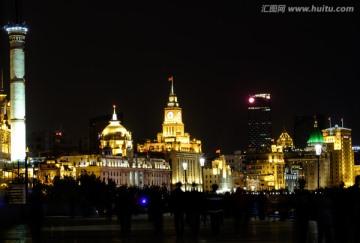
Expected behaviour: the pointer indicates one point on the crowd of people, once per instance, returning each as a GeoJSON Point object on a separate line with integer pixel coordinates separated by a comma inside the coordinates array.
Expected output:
{"type": "Point", "coordinates": [336, 211]}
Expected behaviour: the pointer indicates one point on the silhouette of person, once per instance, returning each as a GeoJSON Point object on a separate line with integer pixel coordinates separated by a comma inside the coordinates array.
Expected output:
{"type": "Point", "coordinates": [241, 210]}
{"type": "Point", "coordinates": [177, 208]}
{"type": "Point", "coordinates": [302, 202]}
{"type": "Point", "coordinates": [325, 218]}
{"type": "Point", "coordinates": [36, 212]}
{"type": "Point", "coordinates": [125, 207]}
{"type": "Point", "coordinates": [215, 209]}
{"type": "Point", "coordinates": [194, 204]}
{"type": "Point", "coordinates": [156, 209]}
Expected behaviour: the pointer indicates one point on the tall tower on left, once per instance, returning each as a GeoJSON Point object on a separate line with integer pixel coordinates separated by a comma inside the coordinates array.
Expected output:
{"type": "Point", "coordinates": [17, 33]}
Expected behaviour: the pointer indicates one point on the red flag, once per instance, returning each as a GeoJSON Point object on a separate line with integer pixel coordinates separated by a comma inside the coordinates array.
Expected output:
{"type": "Point", "coordinates": [171, 78]}
{"type": "Point", "coordinates": [218, 151]}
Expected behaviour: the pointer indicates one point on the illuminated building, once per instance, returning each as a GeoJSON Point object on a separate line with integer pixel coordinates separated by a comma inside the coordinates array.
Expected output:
{"type": "Point", "coordinates": [175, 145]}
{"type": "Point", "coordinates": [285, 141]}
{"type": "Point", "coordinates": [17, 34]}
{"type": "Point", "coordinates": [316, 168]}
{"type": "Point", "coordinates": [339, 144]}
{"type": "Point", "coordinates": [5, 132]}
{"type": "Point", "coordinates": [265, 171]}
{"type": "Point", "coordinates": [259, 122]}
{"type": "Point", "coordinates": [220, 174]}
{"type": "Point", "coordinates": [265, 166]}
{"type": "Point", "coordinates": [96, 126]}
{"type": "Point", "coordinates": [121, 170]}
{"type": "Point", "coordinates": [115, 139]}
{"type": "Point", "coordinates": [116, 162]}
{"type": "Point", "coordinates": [237, 164]}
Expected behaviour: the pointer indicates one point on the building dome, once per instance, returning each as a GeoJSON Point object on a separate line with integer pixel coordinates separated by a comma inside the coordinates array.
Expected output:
{"type": "Point", "coordinates": [115, 139]}
{"type": "Point", "coordinates": [315, 137]}
{"type": "Point", "coordinates": [115, 131]}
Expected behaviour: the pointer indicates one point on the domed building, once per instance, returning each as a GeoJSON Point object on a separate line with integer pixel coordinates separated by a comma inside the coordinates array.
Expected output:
{"type": "Point", "coordinates": [117, 161]}
{"type": "Point", "coordinates": [115, 139]}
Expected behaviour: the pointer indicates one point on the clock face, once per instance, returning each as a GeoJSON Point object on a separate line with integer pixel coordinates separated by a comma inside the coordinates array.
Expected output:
{"type": "Point", "coordinates": [170, 115]}
{"type": "Point", "coordinates": [178, 115]}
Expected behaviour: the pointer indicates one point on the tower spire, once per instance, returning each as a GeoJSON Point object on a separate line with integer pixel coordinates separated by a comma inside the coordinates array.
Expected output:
{"type": "Point", "coordinates": [315, 122]}
{"type": "Point", "coordinates": [172, 97]}
{"type": "Point", "coordinates": [114, 116]}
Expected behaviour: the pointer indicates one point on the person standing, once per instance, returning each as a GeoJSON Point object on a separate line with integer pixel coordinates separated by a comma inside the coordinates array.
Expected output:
{"type": "Point", "coordinates": [215, 209]}
{"type": "Point", "coordinates": [177, 208]}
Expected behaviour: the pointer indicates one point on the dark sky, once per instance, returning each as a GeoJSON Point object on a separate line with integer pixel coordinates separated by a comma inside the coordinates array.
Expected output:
{"type": "Point", "coordinates": [84, 56]}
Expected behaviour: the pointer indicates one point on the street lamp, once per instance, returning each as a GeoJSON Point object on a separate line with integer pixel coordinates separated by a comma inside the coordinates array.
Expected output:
{"type": "Point", "coordinates": [184, 164]}
{"type": "Point", "coordinates": [26, 176]}
{"type": "Point", "coordinates": [202, 163]}
{"type": "Point", "coordinates": [318, 147]}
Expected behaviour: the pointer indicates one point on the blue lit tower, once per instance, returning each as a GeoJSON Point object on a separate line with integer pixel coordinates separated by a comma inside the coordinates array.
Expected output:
{"type": "Point", "coordinates": [17, 34]}
{"type": "Point", "coordinates": [259, 123]}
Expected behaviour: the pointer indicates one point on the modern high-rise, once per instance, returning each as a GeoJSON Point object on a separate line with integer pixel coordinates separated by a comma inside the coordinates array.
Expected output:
{"type": "Point", "coordinates": [259, 123]}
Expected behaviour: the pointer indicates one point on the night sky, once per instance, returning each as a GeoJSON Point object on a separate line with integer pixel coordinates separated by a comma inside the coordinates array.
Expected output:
{"type": "Point", "coordinates": [82, 57]}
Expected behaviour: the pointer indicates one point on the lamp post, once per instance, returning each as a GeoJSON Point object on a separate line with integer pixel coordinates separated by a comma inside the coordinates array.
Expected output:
{"type": "Point", "coordinates": [202, 163]}
{"type": "Point", "coordinates": [318, 147]}
{"type": "Point", "coordinates": [26, 176]}
{"type": "Point", "coordinates": [184, 164]}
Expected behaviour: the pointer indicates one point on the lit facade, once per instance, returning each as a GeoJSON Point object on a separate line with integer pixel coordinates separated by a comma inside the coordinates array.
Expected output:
{"type": "Point", "coordinates": [223, 174]}
{"type": "Point", "coordinates": [339, 144]}
{"type": "Point", "coordinates": [176, 146]}
{"type": "Point", "coordinates": [219, 173]}
{"type": "Point", "coordinates": [115, 139]}
{"type": "Point", "coordinates": [265, 171]}
{"type": "Point", "coordinates": [5, 130]}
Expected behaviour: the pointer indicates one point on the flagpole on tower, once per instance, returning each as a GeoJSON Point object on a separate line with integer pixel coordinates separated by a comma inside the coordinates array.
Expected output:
{"type": "Point", "coordinates": [171, 79]}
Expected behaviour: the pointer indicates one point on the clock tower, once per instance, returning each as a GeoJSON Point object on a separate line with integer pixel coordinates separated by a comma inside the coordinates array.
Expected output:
{"type": "Point", "coordinates": [177, 147]}
{"type": "Point", "coordinates": [172, 125]}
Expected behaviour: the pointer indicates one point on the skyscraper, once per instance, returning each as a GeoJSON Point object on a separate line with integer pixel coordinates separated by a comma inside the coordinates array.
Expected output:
{"type": "Point", "coordinates": [259, 123]}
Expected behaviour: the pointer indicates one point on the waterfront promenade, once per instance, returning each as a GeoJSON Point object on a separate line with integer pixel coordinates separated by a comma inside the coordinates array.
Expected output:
{"type": "Point", "coordinates": [99, 229]}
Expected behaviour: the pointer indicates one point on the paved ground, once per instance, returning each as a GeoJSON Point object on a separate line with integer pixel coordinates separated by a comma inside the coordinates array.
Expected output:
{"type": "Point", "coordinates": [101, 230]}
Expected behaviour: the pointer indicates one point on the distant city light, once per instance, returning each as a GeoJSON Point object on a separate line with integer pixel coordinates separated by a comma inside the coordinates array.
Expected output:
{"type": "Point", "coordinates": [251, 99]}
